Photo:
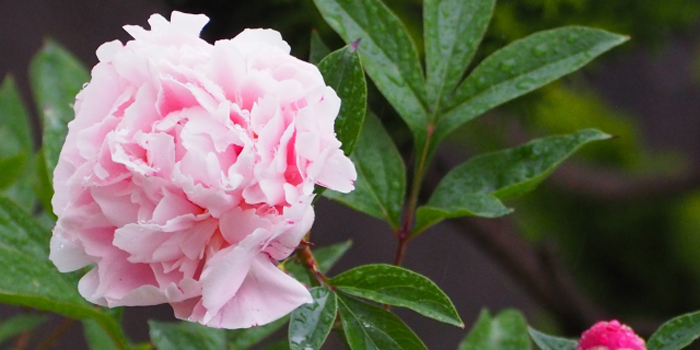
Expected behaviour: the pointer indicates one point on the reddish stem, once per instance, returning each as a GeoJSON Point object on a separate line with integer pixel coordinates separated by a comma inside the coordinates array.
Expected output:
{"type": "Point", "coordinates": [307, 258]}
{"type": "Point", "coordinates": [404, 233]}
{"type": "Point", "coordinates": [56, 334]}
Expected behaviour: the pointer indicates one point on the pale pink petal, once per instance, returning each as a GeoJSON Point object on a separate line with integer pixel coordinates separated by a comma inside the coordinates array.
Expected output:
{"type": "Point", "coordinates": [266, 294]}
{"type": "Point", "coordinates": [237, 224]}
{"type": "Point", "coordinates": [67, 255]}
{"type": "Point", "coordinates": [337, 173]}
{"type": "Point", "coordinates": [251, 40]}
{"type": "Point", "coordinates": [225, 271]}
{"type": "Point", "coordinates": [107, 51]}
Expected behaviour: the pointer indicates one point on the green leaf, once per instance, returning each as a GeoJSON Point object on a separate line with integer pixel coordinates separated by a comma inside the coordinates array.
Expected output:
{"type": "Point", "coordinates": [342, 71]}
{"type": "Point", "coordinates": [369, 327]}
{"type": "Point", "coordinates": [397, 286]}
{"type": "Point", "coordinates": [310, 324]}
{"type": "Point", "coordinates": [30, 279]}
{"type": "Point", "coordinates": [452, 31]}
{"type": "Point", "coordinates": [325, 257]}
{"type": "Point", "coordinates": [96, 337]}
{"type": "Point", "coordinates": [16, 146]}
{"type": "Point", "coordinates": [506, 331]}
{"type": "Point", "coordinates": [42, 182]}
{"type": "Point", "coordinates": [12, 166]}
{"type": "Point", "coordinates": [381, 181]}
{"type": "Point", "coordinates": [22, 192]}
{"type": "Point", "coordinates": [14, 133]}
{"type": "Point", "coordinates": [14, 121]}
{"type": "Point", "coordinates": [280, 345]}
{"type": "Point", "coordinates": [241, 339]}
{"type": "Point", "coordinates": [56, 77]}
{"type": "Point", "coordinates": [16, 325]}
{"type": "Point", "coordinates": [185, 335]}
{"type": "Point", "coordinates": [454, 204]}
{"type": "Point", "coordinates": [477, 186]}
{"type": "Point", "coordinates": [548, 342]}
{"type": "Point", "coordinates": [521, 67]}
{"type": "Point", "coordinates": [387, 52]}
{"type": "Point", "coordinates": [676, 333]}
{"type": "Point", "coordinates": [317, 48]}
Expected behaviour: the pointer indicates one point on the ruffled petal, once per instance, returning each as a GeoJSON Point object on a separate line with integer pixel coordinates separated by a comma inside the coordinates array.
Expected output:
{"type": "Point", "coordinates": [266, 294]}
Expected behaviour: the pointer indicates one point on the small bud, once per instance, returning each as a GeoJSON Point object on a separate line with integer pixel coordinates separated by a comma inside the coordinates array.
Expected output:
{"type": "Point", "coordinates": [610, 336]}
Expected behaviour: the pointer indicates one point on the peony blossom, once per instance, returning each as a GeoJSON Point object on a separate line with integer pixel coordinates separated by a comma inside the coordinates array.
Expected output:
{"type": "Point", "coordinates": [189, 170]}
{"type": "Point", "coordinates": [610, 336]}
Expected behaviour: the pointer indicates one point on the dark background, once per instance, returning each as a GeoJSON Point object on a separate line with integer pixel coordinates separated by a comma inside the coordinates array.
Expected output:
{"type": "Point", "coordinates": [614, 233]}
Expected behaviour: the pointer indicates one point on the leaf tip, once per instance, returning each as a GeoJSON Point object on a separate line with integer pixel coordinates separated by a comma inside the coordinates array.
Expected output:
{"type": "Point", "coordinates": [355, 44]}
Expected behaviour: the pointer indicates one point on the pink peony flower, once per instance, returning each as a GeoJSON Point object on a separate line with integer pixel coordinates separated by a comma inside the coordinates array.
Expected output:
{"type": "Point", "coordinates": [610, 336]}
{"type": "Point", "coordinates": [189, 171]}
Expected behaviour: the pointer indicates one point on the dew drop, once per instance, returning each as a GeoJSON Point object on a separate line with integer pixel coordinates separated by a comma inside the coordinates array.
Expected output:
{"type": "Point", "coordinates": [540, 50]}
{"type": "Point", "coordinates": [526, 84]}
{"type": "Point", "coordinates": [507, 65]}
{"type": "Point", "coordinates": [572, 37]}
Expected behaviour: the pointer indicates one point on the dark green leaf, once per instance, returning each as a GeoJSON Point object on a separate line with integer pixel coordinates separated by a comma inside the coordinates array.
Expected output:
{"type": "Point", "coordinates": [30, 279]}
{"type": "Point", "coordinates": [56, 77]}
{"type": "Point", "coordinates": [14, 133]}
{"type": "Point", "coordinates": [16, 146]}
{"type": "Point", "coordinates": [548, 342]}
{"type": "Point", "coordinates": [14, 121]}
{"type": "Point", "coordinates": [42, 182]}
{"type": "Point", "coordinates": [388, 54]}
{"type": "Point", "coordinates": [506, 331]}
{"type": "Point", "coordinates": [454, 204]}
{"type": "Point", "coordinates": [342, 71]}
{"type": "Point", "coordinates": [185, 335]}
{"type": "Point", "coordinates": [452, 31]}
{"type": "Point", "coordinates": [22, 192]}
{"type": "Point", "coordinates": [310, 324]}
{"type": "Point", "coordinates": [369, 327]}
{"type": "Point", "coordinates": [241, 339]}
{"type": "Point", "coordinates": [96, 337]}
{"type": "Point", "coordinates": [477, 186]}
{"type": "Point", "coordinates": [381, 181]}
{"type": "Point", "coordinates": [325, 257]}
{"type": "Point", "coordinates": [523, 66]}
{"type": "Point", "coordinates": [397, 286]}
{"type": "Point", "coordinates": [280, 345]}
{"type": "Point", "coordinates": [12, 167]}
{"type": "Point", "coordinates": [676, 333]}
{"type": "Point", "coordinates": [16, 325]}
{"type": "Point", "coordinates": [317, 48]}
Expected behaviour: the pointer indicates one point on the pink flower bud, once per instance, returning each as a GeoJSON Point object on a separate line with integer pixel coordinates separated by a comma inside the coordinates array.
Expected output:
{"type": "Point", "coordinates": [610, 336]}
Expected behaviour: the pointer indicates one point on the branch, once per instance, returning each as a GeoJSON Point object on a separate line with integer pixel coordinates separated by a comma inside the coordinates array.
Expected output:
{"type": "Point", "coordinates": [537, 269]}
{"type": "Point", "coordinates": [608, 185]}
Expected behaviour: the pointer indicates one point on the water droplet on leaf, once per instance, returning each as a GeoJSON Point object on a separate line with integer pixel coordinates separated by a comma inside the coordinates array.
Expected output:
{"type": "Point", "coordinates": [507, 65]}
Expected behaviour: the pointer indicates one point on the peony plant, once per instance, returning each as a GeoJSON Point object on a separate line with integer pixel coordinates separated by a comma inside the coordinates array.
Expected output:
{"type": "Point", "coordinates": [184, 172]}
